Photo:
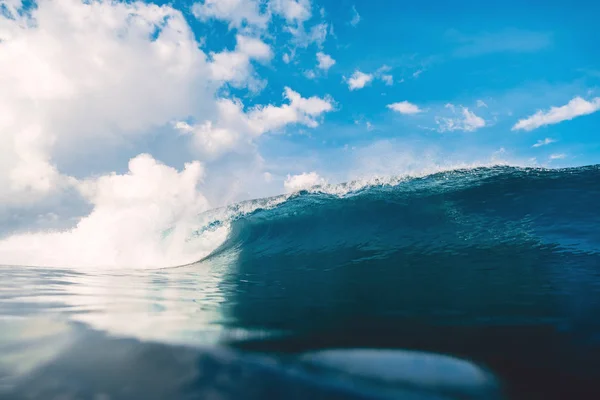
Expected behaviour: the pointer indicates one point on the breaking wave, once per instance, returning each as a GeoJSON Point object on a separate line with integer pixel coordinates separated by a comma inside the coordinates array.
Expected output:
{"type": "Point", "coordinates": [484, 207]}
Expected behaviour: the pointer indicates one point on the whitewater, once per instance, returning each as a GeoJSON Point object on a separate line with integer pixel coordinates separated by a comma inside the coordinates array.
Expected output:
{"type": "Point", "coordinates": [161, 228]}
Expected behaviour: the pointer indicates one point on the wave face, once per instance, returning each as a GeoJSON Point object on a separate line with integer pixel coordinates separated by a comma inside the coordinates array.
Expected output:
{"type": "Point", "coordinates": [513, 242]}
{"type": "Point", "coordinates": [478, 216]}
{"type": "Point", "coordinates": [500, 265]}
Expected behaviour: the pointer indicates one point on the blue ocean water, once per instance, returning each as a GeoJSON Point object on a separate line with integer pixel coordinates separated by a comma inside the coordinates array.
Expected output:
{"type": "Point", "coordinates": [496, 266]}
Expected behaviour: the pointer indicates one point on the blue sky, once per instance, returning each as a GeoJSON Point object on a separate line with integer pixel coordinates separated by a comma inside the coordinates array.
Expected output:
{"type": "Point", "coordinates": [120, 110]}
{"type": "Point", "coordinates": [511, 58]}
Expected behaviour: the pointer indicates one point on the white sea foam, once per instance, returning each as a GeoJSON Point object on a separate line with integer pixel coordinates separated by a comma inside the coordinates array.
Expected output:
{"type": "Point", "coordinates": [362, 183]}
{"type": "Point", "coordinates": [154, 217]}
{"type": "Point", "coordinates": [140, 219]}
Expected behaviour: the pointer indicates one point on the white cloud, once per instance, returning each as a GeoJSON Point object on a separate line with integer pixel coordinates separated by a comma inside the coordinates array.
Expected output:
{"type": "Point", "coordinates": [294, 11]}
{"type": "Point", "coordinates": [543, 142]}
{"type": "Point", "coordinates": [254, 16]}
{"type": "Point", "coordinates": [233, 127]}
{"type": "Point", "coordinates": [301, 38]}
{"type": "Point", "coordinates": [235, 66]}
{"type": "Point", "coordinates": [324, 61]}
{"type": "Point", "coordinates": [466, 121]}
{"type": "Point", "coordinates": [359, 80]}
{"type": "Point", "coordinates": [238, 13]}
{"type": "Point", "coordinates": [575, 108]}
{"type": "Point", "coordinates": [62, 89]}
{"type": "Point", "coordinates": [355, 17]}
{"type": "Point", "coordinates": [558, 156]}
{"type": "Point", "coordinates": [304, 181]}
{"type": "Point", "coordinates": [481, 103]}
{"type": "Point", "coordinates": [404, 107]}
{"type": "Point", "coordinates": [253, 48]}
{"type": "Point", "coordinates": [417, 73]}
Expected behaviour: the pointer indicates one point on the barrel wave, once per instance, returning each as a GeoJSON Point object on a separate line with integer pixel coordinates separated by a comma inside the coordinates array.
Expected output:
{"type": "Point", "coordinates": [473, 215]}
{"type": "Point", "coordinates": [500, 265]}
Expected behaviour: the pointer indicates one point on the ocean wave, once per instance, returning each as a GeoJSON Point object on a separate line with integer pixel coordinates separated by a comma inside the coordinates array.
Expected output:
{"type": "Point", "coordinates": [466, 208]}
{"type": "Point", "coordinates": [452, 196]}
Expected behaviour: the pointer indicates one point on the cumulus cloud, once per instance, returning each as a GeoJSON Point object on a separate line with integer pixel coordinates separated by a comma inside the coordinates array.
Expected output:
{"type": "Point", "coordinates": [255, 16]}
{"type": "Point", "coordinates": [253, 13]}
{"type": "Point", "coordinates": [62, 89]}
{"type": "Point", "coordinates": [304, 181]}
{"type": "Point", "coordinates": [324, 61]}
{"type": "Point", "coordinates": [543, 142]}
{"type": "Point", "coordinates": [575, 108]}
{"type": "Point", "coordinates": [359, 80]}
{"type": "Point", "coordinates": [235, 66]}
{"type": "Point", "coordinates": [294, 11]}
{"type": "Point", "coordinates": [404, 107]}
{"type": "Point", "coordinates": [463, 120]}
{"type": "Point", "coordinates": [234, 127]}
{"type": "Point", "coordinates": [238, 13]}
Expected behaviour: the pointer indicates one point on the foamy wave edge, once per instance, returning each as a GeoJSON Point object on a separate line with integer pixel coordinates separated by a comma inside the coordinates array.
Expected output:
{"type": "Point", "coordinates": [192, 240]}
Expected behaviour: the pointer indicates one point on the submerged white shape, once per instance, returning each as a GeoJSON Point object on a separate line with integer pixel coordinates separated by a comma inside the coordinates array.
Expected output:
{"type": "Point", "coordinates": [416, 369]}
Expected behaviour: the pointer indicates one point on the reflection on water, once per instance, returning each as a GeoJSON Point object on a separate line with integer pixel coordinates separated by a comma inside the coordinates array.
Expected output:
{"type": "Point", "coordinates": [180, 305]}
{"type": "Point", "coordinates": [70, 361]}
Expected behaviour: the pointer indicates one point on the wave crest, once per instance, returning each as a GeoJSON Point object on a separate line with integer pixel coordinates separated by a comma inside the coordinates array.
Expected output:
{"type": "Point", "coordinates": [326, 211]}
